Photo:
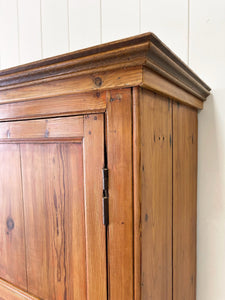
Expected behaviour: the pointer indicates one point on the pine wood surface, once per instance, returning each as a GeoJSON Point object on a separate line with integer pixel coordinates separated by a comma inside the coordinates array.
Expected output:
{"type": "Point", "coordinates": [74, 104]}
{"type": "Point", "coordinates": [117, 64]}
{"type": "Point", "coordinates": [130, 106]}
{"type": "Point", "coordinates": [56, 204]}
{"type": "Point", "coordinates": [137, 93]}
{"type": "Point", "coordinates": [93, 161]}
{"type": "Point", "coordinates": [156, 196]}
{"type": "Point", "coordinates": [45, 129]}
{"type": "Point", "coordinates": [120, 230]}
{"type": "Point", "coordinates": [10, 292]}
{"type": "Point", "coordinates": [12, 234]}
{"type": "Point", "coordinates": [184, 201]}
{"type": "Point", "coordinates": [146, 47]}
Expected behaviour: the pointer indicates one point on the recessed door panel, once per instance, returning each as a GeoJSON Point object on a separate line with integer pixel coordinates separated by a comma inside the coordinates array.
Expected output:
{"type": "Point", "coordinates": [12, 239]}
{"type": "Point", "coordinates": [54, 220]}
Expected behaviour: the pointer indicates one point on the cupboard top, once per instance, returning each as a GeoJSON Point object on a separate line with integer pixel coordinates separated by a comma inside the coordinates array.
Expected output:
{"type": "Point", "coordinates": [141, 50]}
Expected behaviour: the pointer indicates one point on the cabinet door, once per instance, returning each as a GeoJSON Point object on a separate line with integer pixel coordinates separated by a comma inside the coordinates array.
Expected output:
{"type": "Point", "coordinates": [51, 190]}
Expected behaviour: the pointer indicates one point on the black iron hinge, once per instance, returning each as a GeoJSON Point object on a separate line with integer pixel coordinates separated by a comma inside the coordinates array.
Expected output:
{"type": "Point", "coordinates": [105, 196]}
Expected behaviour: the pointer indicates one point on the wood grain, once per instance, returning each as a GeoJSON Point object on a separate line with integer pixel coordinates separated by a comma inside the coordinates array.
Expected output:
{"type": "Point", "coordinates": [156, 82]}
{"type": "Point", "coordinates": [51, 174]}
{"type": "Point", "coordinates": [156, 196]}
{"type": "Point", "coordinates": [54, 220]}
{"type": "Point", "coordinates": [56, 106]}
{"type": "Point", "coordinates": [143, 50]}
{"type": "Point", "coordinates": [95, 230]}
{"type": "Point", "coordinates": [75, 84]}
{"type": "Point", "coordinates": [10, 292]}
{"type": "Point", "coordinates": [12, 239]}
{"type": "Point", "coordinates": [184, 201]}
{"type": "Point", "coordinates": [137, 190]}
{"type": "Point", "coordinates": [120, 230]}
{"type": "Point", "coordinates": [71, 127]}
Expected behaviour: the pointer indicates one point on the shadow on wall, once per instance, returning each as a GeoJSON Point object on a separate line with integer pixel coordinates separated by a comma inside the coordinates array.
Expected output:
{"type": "Point", "coordinates": [211, 198]}
{"type": "Point", "coordinates": [211, 142]}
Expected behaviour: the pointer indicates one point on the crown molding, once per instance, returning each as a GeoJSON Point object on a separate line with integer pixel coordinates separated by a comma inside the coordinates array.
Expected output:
{"type": "Point", "coordinates": [144, 50]}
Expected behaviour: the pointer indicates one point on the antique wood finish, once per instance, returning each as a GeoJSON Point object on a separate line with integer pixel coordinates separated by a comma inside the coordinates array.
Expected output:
{"type": "Point", "coordinates": [12, 247]}
{"type": "Point", "coordinates": [157, 83]}
{"type": "Point", "coordinates": [45, 130]}
{"type": "Point", "coordinates": [72, 85]}
{"type": "Point", "coordinates": [56, 106]}
{"type": "Point", "coordinates": [120, 230]}
{"type": "Point", "coordinates": [55, 246]}
{"type": "Point", "coordinates": [95, 230]}
{"type": "Point", "coordinates": [156, 196]}
{"type": "Point", "coordinates": [184, 201]}
{"type": "Point", "coordinates": [108, 66]}
{"type": "Point", "coordinates": [10, 292]}
{"type": "Point", "coordinates": [137, 191]}
{"type": "Point", "coordinates": [60, 164]}
{"type": "Point", "coordinates": [129, 107]}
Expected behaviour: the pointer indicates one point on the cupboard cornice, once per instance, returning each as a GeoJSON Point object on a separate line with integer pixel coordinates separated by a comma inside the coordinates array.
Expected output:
{"type": "Point", "coordinates": [118, 64]}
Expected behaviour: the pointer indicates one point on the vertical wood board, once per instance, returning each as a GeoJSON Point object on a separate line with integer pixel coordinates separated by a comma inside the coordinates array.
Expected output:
{"type": "Point", "coordinates": [95, 230]}
{"type": "Point", "coordinates": [136, 92]}
{"type": "Point", "coordinates": [156, 196]}
{"type": "Point", "coordinates": [12, 239]}
{"type": "Point", "coordinates": [184, 201]}
{"type": "Point", "coordinates": [54, 220]}
{"type": "Point", "coordinates": [120, 230]}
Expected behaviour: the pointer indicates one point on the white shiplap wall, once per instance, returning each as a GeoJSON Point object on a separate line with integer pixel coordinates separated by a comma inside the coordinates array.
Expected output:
{"type": "Point", "coordinates": [207, 57]}
{"type": "Point", "coordinates": [195, 31]}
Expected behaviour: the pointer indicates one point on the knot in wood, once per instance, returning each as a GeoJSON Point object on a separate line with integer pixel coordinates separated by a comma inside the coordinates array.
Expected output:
{"type": "Point", "coordinates": [98, 81]}
{"type": "Point", "coordinates": [10, 223]}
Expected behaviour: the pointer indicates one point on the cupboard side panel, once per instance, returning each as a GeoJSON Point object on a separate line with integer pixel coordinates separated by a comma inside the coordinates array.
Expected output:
{"type": "Point", "coordinates": [184, 201]}
{"type": "Point", "coordinates": [12, 239]}
{"type": "Point", "coordinates": [120, 229]}
{"type": "Point", "coordinates": [156, 196]}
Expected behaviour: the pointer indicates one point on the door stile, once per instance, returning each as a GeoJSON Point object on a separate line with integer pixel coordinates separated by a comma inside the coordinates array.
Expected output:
{"type": "Point", "coordinates": [23, 217]}
{"type": "Point", "coordinates": [107, 212]}
{"type": "Point", "coordinates": [95, 230]}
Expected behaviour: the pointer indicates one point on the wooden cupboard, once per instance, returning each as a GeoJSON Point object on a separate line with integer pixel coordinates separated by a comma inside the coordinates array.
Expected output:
{"type": "Point", "coordinates": [98, 175]}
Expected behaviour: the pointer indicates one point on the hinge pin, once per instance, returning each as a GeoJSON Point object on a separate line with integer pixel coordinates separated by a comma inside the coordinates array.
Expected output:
{"type": "Point", "coordinates": [105, 198]}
